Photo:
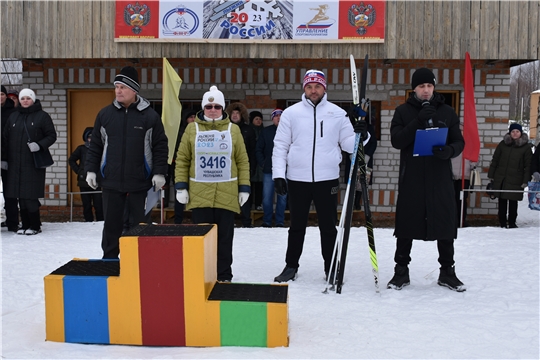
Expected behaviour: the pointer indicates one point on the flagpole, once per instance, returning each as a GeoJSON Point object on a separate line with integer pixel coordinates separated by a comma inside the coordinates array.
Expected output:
{"type": "Point", "coordinates": [461, 192]}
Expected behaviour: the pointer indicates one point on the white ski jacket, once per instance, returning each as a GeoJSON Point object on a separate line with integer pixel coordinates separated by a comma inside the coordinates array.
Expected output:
{"type": "Point", "coordinates": [309, 140]}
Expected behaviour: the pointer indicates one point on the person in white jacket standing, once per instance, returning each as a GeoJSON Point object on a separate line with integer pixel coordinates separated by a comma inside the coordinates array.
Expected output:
{"type": "Point", "coordinates": [305, 165]}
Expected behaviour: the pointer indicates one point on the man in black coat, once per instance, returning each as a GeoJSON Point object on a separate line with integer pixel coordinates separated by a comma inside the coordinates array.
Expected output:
{"type": "Point", "coordinates": [10, 205]}
{"type": "Point", "coordinates": [130, 149]}
{"type": "Point", "coordinates": [425, 205]}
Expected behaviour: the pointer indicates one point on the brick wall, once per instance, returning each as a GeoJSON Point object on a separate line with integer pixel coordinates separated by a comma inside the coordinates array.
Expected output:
{"type": "Point", "coordinates": [263, 84]}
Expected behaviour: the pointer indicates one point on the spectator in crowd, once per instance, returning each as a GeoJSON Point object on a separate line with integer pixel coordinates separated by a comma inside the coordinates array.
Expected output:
{"type": "Point", "coordinates": [10, 205]}
{"type": "Point", "coordinates": [89, 196]}
{"type": "Point", "coordinates": [239, 115]}
{"type": "Point", "coordinates": [510, 169]}
{"type": "Point", "coordinates": [14, 96]}
{"type": "Point", "coordinates": [131, 159]}
{"type": "Point", "coordinates": [28, 130]}
{"type": "Point", "coordinates": [189, 117]}
{"type": "Point", "coordinates": [425, 207]}
{"type": "Point", "coordinates": [458, 176]}
{"type": "Point", "coordinates": [535, 164]}
{"type": "Point", "coordinates": [256, 197]}
{"type": "Point", "coordinates": [305, 165]}
{"type": "Point", "coordinates": [212, 174]}
{"type": "Point", "coordinates": [265, 146]}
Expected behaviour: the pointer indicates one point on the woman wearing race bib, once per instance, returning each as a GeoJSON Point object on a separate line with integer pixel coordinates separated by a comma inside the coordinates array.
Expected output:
{"type": "Point", "coordinates": [212, 174]}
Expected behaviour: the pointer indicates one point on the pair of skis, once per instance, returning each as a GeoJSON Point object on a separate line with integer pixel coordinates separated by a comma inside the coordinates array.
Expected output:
{"type": "Point", "coordinates": [357, 162]}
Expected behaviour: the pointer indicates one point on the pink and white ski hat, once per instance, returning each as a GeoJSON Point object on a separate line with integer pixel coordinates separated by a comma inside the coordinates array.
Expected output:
{"type": "Point", "coordinates": [314, 76]}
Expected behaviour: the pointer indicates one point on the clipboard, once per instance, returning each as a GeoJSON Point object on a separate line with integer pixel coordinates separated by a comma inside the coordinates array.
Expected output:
{"type": "Point", "coordinates": [152, 198]}
{"type": "Point", "coordinates": [426, 139]}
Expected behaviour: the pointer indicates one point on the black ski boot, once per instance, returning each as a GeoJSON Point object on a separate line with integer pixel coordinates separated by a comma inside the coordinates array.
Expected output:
{"type": "Point", "coordinates": [400, 279]}
{"type": "Point", "coordinates": [449, 279]}
{"type": "Point", "coordinates": [288, 273]}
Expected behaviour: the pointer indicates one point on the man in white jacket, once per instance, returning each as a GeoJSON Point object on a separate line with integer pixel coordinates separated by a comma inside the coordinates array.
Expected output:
{"type": "Point", "coordinates": [307, 152]}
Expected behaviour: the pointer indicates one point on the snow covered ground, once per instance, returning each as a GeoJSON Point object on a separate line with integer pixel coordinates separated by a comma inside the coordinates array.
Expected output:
{"type": "Point", "coordinates": [497, 317]}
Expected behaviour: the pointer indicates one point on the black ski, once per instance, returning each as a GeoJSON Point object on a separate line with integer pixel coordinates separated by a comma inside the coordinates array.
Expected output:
{"type": "Point", "coordinates": [359, 97]}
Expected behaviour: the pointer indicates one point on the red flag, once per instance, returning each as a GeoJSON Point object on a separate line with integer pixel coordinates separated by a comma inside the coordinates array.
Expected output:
{"type": "Point", "coordinates": [470, 126]}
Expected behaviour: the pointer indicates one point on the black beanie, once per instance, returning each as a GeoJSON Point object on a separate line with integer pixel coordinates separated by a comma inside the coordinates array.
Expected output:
{"type": "Point", "coordinates": [254, 114]}
{"type": "Point", "coordinates": [422, 76]}
{"type": "Point", "coordinates": [129, 77]}
{"type": "Point", "coordinates": [515, 126]}
{"type": "Point", "coordinates": [4, 90]}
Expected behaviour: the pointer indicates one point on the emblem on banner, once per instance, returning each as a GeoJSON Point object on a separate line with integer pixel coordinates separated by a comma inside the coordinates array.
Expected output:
{"type": "Point", "coordinates": [362, 16]}
{"type": "Point", "coordinates": [137, 16]}
{"type": "Point", "coordinates": [180, 21]}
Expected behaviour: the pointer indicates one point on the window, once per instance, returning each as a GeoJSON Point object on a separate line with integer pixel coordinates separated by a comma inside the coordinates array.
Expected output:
{"type": "Point", "coordinates": [11, 70]}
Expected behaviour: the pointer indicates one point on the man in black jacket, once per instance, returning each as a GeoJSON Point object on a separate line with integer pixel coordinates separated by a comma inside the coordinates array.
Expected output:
{"type": "Point", "coordinates": [10, 205]}
{"type": "Point", "coordinates": [425, 206]}
{"type": "Point", "coordinates": [129, 150]}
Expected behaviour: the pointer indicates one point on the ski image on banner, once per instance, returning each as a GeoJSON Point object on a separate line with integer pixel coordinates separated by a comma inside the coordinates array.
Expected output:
{"type": "Point", "coordinates": [357, 162]}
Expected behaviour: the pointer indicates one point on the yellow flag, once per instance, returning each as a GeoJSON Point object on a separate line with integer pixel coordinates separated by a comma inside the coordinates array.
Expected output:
{"type": "Point", "coordinates": [171, 113]}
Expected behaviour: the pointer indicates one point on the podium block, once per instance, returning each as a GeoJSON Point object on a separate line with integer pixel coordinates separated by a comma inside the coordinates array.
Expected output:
{"type": "Point", "coordinates": [162, 292]}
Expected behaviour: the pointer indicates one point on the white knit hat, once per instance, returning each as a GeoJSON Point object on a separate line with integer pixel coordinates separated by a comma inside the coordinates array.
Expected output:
{"type": "Point", "coordinates": [213, 96]}
{"type": "Point", "coordinates": [27, 92]}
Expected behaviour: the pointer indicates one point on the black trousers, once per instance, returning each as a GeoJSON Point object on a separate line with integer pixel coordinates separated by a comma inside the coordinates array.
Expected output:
{"type": "Point", "coordinates": [404, 246]}
{"type": "Point", "coordinates": [90, 200]}
{"type": "Point", "coordinates": [30, 217]}
{"type": "Point", "coordinates": [507, 205]}
{"type": "Point", "coordinates": [224, 219]}
{"type": "Point", "coordinates": [324, 196]}
{"type": "Point", "coordinates": [114, 203]}
{"type": "Point", "coordinates": [256, 193]}
{"type": "Point", "coordinates": [10, 205]}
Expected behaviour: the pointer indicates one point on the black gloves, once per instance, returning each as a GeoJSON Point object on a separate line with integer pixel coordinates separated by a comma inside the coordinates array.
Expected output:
{"type": "Point", "coordinates": [360, 127]}
{"type": "Point", "coordinates": [443, 152]}
{"type": "Point", "coordinates": [281, 186]}
{"type": "Point", "coordinates": [355, 112]}
{"type": "Point", "coordinates": [426, 113]}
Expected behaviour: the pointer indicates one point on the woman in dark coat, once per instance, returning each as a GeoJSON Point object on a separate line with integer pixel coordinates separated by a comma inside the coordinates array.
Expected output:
{"type": "Point", "coordinates": [28, 130]}
{"type": "Point", "coordinates": [425, 206]}
{"type": "Point", "coordinates": [510, 169]}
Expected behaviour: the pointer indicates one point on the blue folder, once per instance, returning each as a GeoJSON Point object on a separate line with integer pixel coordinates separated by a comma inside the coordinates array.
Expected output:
{"type": "Point", "coordinates": [426, 139]}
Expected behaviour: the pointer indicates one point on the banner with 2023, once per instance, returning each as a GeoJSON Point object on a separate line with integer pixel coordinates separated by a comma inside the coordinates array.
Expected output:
{"type": "Point", "coordinates": [250, 21]}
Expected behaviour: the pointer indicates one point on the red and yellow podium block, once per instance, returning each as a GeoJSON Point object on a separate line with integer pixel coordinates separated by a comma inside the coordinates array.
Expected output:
{"type": "Point", "coordinates": [162, 292]}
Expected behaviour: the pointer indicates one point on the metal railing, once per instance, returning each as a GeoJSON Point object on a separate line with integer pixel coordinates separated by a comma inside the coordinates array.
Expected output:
{"type": "Point", "coordinates": [71, 193]}
{"type": "Point", "coordinates": [461, 195]}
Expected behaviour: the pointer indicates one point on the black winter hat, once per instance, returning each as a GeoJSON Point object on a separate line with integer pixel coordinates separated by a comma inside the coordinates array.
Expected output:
{"type": "Point", "coordinates": [189, 113]}
{"type": "Point", "coordinates": [87, 132]}
{"type": "Point", "coordinates": [423, 76]}
{"type": "Point", "coordinates": [4, 90]}
{"type": "Point", "coordinates": [515, 126]}
{"type": "Point", "coordinates": [129, 77]}
{"type": "Point", "coordinates": [254, 114]}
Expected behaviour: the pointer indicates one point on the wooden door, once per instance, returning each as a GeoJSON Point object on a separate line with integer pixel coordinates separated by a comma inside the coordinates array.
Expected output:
{"type": "Point", "coordinates": [83, 107]}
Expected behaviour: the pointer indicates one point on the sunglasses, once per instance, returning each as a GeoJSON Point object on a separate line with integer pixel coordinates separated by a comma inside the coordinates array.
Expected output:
{"type": "Point", "coordinates": [209, 107]}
